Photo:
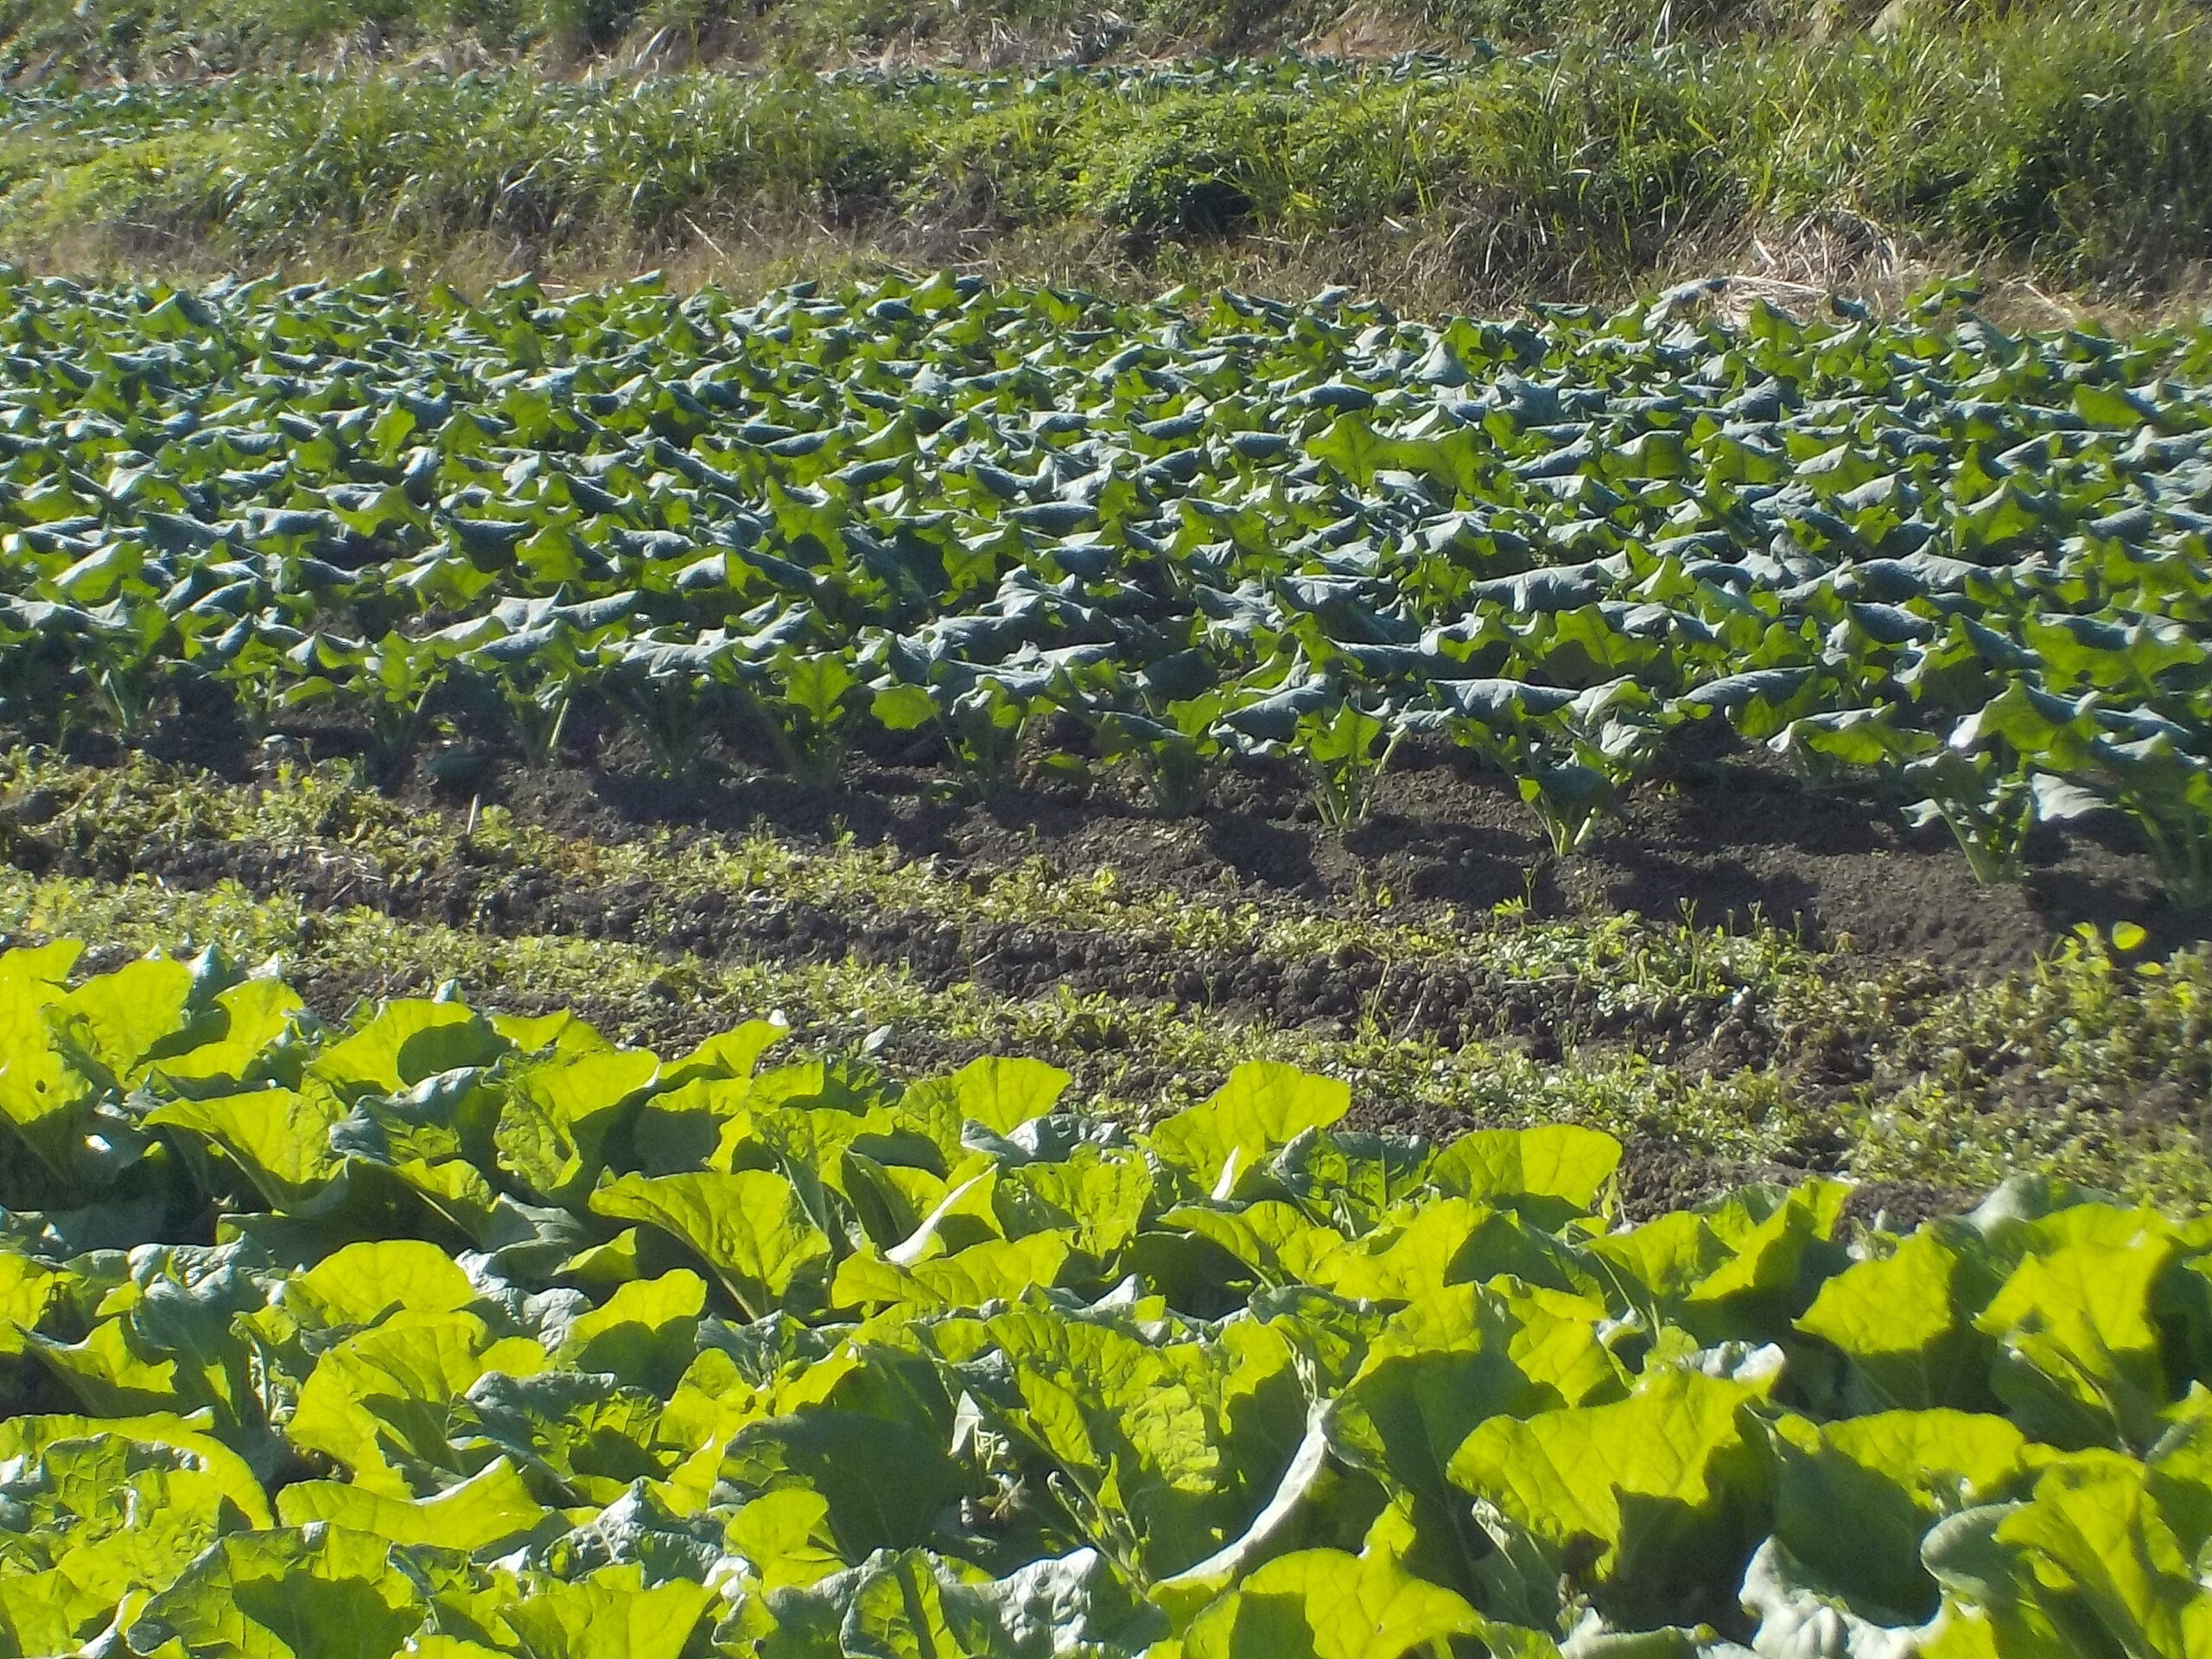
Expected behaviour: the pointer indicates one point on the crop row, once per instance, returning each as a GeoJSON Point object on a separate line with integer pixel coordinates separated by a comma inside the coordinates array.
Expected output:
{"type": "Point", "coordinates": [459, 1334]}
{"type": "Point", "coordinates": [1971, 566]}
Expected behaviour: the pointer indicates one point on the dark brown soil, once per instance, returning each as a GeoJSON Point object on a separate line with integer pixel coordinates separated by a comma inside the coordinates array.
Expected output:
{"type": "Point", "coordinates": [1732, 837]}
{"type": "Point", "coordinates": [1745, 844]}
{"type": "Point", "coordinates": [1740, 841]}
{"type": "Point", "coordinates": [1732, 841]}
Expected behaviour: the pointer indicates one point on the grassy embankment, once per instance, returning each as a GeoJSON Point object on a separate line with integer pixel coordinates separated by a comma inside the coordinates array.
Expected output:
{"type": "Point", "coordinates": [2060, 144]}
{"type": "Point", "coordinates": [133, 38]}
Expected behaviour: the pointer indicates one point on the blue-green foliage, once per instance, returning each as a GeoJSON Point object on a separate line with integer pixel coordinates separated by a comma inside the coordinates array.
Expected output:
{"type": "Point", "coordinates": [1970, 564]}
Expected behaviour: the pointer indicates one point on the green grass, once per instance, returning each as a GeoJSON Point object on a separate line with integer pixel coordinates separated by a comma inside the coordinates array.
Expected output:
{"type": "Point", "coordinates": [57, 39]}
{"type": "Point", "coordinates": [1583, 173]}
{"type": "Point", "coordinates": [1138, 1059]}
{"type": "Point", "coordinates": [2085, 1068]}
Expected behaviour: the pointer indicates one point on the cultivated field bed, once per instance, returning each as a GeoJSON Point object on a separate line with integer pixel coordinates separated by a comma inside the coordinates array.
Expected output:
{"type": "Point", "coordinates": [948, 967]}
{"type": "Point", "coordinates": [464, 1334]}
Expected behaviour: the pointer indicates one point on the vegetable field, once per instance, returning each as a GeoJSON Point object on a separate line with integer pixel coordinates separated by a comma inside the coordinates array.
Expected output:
{"type": "Point", "coordinates": [495, 1337]}
{"type": "Point", "coordinates": [813, 979]}
{"type": "Point", "coordinates": [1024, 532]}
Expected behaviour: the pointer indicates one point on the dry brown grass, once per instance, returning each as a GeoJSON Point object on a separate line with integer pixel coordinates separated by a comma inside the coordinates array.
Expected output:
{"type": "Point", "coordinates": [1423, 272]}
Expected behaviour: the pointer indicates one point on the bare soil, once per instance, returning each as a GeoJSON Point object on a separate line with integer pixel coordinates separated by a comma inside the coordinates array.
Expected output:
{"type": "Point", "coordinates": [1730, 840]}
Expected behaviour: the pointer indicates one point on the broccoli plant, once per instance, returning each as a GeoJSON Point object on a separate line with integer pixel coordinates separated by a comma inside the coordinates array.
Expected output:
{"type": "Point", "coordinates": [806, 703]}
{"type": "Point", "coordinates": [538, 675]}
{"type": "Point", "coordinates": [254, 659]}
{"type": "Point", "coordinates": [1571, 754]}
{"type": "Point", "coordinates": [1345, 751]}
{"type": "Point", "coordinates": [1171, 759]}
{"type": "Point", "coordinates": [1988, 809]}
{"type": "Point", "coordinates": [1568, 794]}
{"type": "Point", "coordinates": [1824, 746]}
{"type": "Point", "coordinates": [2167, 792]}
{"type": "Point", "coordinates": [2000, 772]}
{"type": "Point", "coordinates": [667, 691]}
{"type": "Point", "coordinates": [1159, 720]}
{"type": "Point", "coordinates": [398, 675]}
{"type": "Point", "coordinates": [981, 725]}
{"type": "Point", "coordinates": [121, 651]}
{"type": "Point", "coordinates": [985, 724]}
{"type": "Point", "coordinates": [37, 663]}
